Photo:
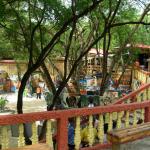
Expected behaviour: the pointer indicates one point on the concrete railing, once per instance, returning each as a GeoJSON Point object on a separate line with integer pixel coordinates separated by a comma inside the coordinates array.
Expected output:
{"type": "Point", "coordinates": [139, 95]}
{"type": "Point", "coordinates": [104, 115]}
{"type": "Point", "coordinates": [141, 75]}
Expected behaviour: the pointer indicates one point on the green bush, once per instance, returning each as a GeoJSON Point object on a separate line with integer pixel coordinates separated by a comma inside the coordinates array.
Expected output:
{"type": "Point", "coordinates": [3, 102]}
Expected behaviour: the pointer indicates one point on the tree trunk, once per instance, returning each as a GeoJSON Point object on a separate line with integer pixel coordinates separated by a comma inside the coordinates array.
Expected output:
{"type": "Point", "coordinates": [120, 78]}
{"type": "Point", "coordinates": [23, 84]}
{"type": "Point", "coordinates": [48, 79]}
{"type": "Point", "coordinates": [103, 84]}
{"type": "Point", "coordinates": [20, 92]}
{"type": "Point", "coordinates": [43, 131]}
{"type": "Point", "coordinates": [20, 102]}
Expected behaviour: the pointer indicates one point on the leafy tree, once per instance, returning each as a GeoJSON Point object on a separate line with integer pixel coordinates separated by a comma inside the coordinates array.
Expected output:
{"type": "Point", "coordinates": [42, 29]}
{"type": "Point", "coordinates": [45, 28]}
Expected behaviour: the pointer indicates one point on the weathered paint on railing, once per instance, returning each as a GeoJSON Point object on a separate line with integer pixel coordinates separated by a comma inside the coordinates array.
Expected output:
{"type": "Point", "coordinates": [110, 112]}
{"type": "Point", "coordinates": [32, 117]}
{"type": "Point", "coordinates": [133, 94]}
{"type": "Point", "coordinates": [62, 117]}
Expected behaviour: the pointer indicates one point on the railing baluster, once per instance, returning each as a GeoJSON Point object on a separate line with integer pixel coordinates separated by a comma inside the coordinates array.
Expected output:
{"type": "Point", "coordinates": [34, 133]}
{"type": "Point", "coordinates": [142, 114]}
{"type": "Point", "coordinates": [127, 119]}
{"type": "Point", "coordinates": [21, 138]}
{"type": "Point", "coordinates": [139, 97]}
{"type": "Point", "coordinates": [135, 73]}
{"type": "Point", "coordinates": [119, 120]}
{"type": "Point", "coordinates": [114, 114]}
{"type": "Point", "coordinates": [135, 118]}
{"type": "Point", "coordinates": [133, 84]}
{"type": "Point", "coordinates": [110, 122]}
{"type": "Point", "coordinates": [145, 80]}
{"type": "Point", "coordinates": [141, 75]}
{"type": "Point", "coordinates": [101, 129]}
{"type": "Point", "coordinates": [107, 118]}
{"type": "Point", "coordinates": [145, 95]}
{"type": "Point", "coordinates": [148, 93]}
{"type": "Point", "coordinates": [49, 138]}
{"type": "Point", "coordinates": [77, 138]}
{"type": "Point", "coordinates": [138, 75]}
{"type": "Point", "coordinates": [5, 141]}
{"type": "Point", "coordinates": [91, 131]}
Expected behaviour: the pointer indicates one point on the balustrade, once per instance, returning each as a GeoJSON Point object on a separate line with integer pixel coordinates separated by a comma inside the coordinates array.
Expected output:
{"type": "Point", "coordinates": [141, 75]}
{"type": "Point", "coordinates": [139, 95]}
{"type": "Point", "coordinates": [121, 111]}
{"type": "Point", "coordinates": [135, 104]}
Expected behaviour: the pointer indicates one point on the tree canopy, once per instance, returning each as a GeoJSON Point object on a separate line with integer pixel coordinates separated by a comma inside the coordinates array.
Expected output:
{"type": "Point", "coordinates": [45, 29]}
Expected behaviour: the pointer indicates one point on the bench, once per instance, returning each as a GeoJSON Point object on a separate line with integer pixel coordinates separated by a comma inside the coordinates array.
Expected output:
{"type": "Point", "coordinates": [33, 147]}
{"type": "Point", "coordinates": [119, 136]}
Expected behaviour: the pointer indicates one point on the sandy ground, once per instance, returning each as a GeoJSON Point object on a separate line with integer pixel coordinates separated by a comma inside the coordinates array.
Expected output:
{"type": "Point", "coordinates": [29, 104]}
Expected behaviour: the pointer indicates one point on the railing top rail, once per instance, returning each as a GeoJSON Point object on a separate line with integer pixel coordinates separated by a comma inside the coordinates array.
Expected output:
{"type": "Point", "coordinates": [65, 114]}
{"type": "Point", "coordinates": [132, 94]}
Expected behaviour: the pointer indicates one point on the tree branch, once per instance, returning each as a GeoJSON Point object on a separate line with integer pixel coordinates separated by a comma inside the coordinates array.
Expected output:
{"type": "Point", "coordinates": [5, 26]}
{"type": "Point", "coordinates": [32, 37]}
{"type": "Point", "coordinates": [70, 37]}
{"type": "Point", "coordinates": [48, 48]}
{"type": "Point", "coordinates": [130, 22]}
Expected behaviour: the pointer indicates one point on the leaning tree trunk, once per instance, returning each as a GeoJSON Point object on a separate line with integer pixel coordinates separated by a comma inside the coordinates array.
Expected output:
{"type": "Point", "coordinates": [20, 92]}
{"type": "Point", "coordinates": [103, 85]}
{"type": "Point", "coordinates": [120, 78]}
{"type": "Point", "coordinates": [104, 77]}
{"type": "Point", "coordinates": [48, 80]}
{"type": "Point", "coordinates": [20, 102]}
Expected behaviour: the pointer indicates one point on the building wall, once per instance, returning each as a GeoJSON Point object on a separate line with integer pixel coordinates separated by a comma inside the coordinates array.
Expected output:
{"type": "Point", "coordinates": [10, 67]}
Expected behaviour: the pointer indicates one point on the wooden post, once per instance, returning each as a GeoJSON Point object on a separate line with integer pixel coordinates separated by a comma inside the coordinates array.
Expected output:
{"type": "Point", "coordinates": [62, 133]}
{"type": "Point", "coordinates": [147, 114]}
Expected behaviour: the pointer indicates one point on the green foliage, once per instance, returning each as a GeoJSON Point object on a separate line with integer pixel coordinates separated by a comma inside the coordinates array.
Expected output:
{"type": "Point", "coordinates": [3, 102]}
{"type": "Point", "coordinates": [35, 29]}
{"type": "Point", "coordinates": [142, 35]}
{"type": "Point", "coordinates": [1, 13]}
{"type": "Point", "coordinates": [56, 12]}
{"type": "Point", "coordinates": [22, 16]}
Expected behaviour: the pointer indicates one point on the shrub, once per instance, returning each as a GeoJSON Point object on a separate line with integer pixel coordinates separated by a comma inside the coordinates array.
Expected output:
{"type": "Point", "coordinates": [3, 102]}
